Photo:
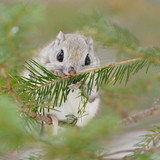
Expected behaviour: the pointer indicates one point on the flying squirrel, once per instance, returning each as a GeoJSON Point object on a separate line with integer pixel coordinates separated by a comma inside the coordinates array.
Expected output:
{"type": "Point", "coordinates": [69, 54]}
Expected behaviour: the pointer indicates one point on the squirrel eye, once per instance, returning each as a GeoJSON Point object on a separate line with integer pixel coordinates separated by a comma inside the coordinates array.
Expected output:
{"type": "Point", "coordinates": [60, 56]}
{"type": "Point", "coordinates": [87, 60]}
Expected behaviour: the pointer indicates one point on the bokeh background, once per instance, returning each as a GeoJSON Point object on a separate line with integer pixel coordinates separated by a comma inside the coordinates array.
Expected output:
{"type": "Point", "coordinates": [43, 19]}
{"type": "Point", "coordinates": [140, 17]}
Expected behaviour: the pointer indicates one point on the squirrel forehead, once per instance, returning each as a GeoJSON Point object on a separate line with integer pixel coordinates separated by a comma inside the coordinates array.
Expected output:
{"type": "Point", "coordinates": [76, 45]}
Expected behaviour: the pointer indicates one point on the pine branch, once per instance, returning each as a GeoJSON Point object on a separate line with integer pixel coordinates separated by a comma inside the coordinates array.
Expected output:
{"type": "Point", "coordinates": [9, 87]}
{"type": "Point", "coordinates": [150, 140]}
{"type": "Point", "coordinates": [44, 87]}
{"type": "Point", "coordinates": [91, 70]}
{"type": "Point", "coordinates": [153, 111]}
{"type": "Point", "coordinates": [25, 110]}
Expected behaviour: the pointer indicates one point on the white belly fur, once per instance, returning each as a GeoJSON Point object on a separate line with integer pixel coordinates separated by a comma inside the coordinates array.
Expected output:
{"type": "Point", "coordinates": [71, 106]}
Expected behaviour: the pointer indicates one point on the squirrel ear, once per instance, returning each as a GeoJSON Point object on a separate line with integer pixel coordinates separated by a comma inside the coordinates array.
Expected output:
{"type": "Point", "coordinates": [60, 38]}
{"type": "Point", "coordinates": [89, 40]}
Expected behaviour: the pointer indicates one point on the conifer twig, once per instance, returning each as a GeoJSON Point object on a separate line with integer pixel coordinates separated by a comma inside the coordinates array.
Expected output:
{"type": "Point", "coordinates": [91, 70]}
{"type": "Point", "coordinates": [28, 111]}
{"type": "Point", "coordinates": [36, 116]}
{"type": "Point", "coordinates": [47, 120]}
{"type": "Point", "coordinates": [106, 155]}
{"type": "Point", "coordinates": [148, 113]}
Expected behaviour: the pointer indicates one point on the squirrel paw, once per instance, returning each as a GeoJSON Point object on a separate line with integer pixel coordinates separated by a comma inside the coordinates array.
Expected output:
{"type": "Point", "coordinates": [58, 73]}
{"type": "Point", "coordinates": [54, 119]}
{"type": "Point", "coordinates": [75, 86]}
{"type": "Point", "coordinates": [54, 124]}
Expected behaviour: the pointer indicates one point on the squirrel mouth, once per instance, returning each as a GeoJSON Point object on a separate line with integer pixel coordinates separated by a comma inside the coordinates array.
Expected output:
{"type": "Point", "coordinates": [62, 73]}
{"type": "Point", "coordinates": [72, 72]}
{"type": "Point", "coordinates": [59, 72]}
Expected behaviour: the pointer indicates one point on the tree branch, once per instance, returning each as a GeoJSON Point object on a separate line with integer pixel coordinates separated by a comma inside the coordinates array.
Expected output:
{"type": "Point", "coordinates": [146, 114]}
{"type": "Point", "coordinates": [91, 70]}
{"type": "Point", "coordinates": [104, 156]}
{"type": "Point", "coordinates": [153, 111]}
{"type": "Point", "coordinates": [28, 111]}
{"type": "Point", "coordinates": [36, 116]}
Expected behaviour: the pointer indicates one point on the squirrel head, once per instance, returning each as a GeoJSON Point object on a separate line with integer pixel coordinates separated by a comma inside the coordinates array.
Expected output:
{"type": "Point", "coordinates": [73, 53]}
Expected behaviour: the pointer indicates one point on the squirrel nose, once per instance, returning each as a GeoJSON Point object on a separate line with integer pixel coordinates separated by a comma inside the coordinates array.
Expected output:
{"type": "Point", "coordinates": [72, 71]}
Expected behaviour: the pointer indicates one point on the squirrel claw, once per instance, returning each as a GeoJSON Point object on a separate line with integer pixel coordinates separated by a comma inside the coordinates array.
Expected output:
{"type": "Point", "coordinates": [59, 73]}
{"type": "Point", "coordinates": [75, 86]}
{"type": "Point", "coordinates": [54, 119]}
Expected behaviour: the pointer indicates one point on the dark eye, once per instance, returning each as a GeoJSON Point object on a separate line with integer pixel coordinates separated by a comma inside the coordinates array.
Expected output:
{"type": "Point", "coordinates": [87, 60]}
{"type": "Point", "coordinates": [60, 56]}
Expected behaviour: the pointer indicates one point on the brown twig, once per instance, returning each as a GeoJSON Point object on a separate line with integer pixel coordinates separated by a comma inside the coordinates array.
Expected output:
{"type": "Point", "coordinates": [146, 114]}
{"type": "Point", "coordinates": [156, 101]}
{"type": "Point", "coordinates": [104, 156]}
{"type": "Point", "coordinates": [153, 111]}
{"type": "Point", "coordinates": [3, 89]}
{"type": "Point", "coordinates": [111, 81]}
{"type": "Point", "coordinates": [28, 111]}
{"type": "Point", "coordinates": [32, 114]}
{"type": "Point", "coordinates": [36, 116]}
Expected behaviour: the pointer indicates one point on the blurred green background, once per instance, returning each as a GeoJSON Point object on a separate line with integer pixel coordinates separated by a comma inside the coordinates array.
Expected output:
{"type": "Point", "coordinates": [28, 25]}
{"type": "Point", "coordinates": [140, 17]}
